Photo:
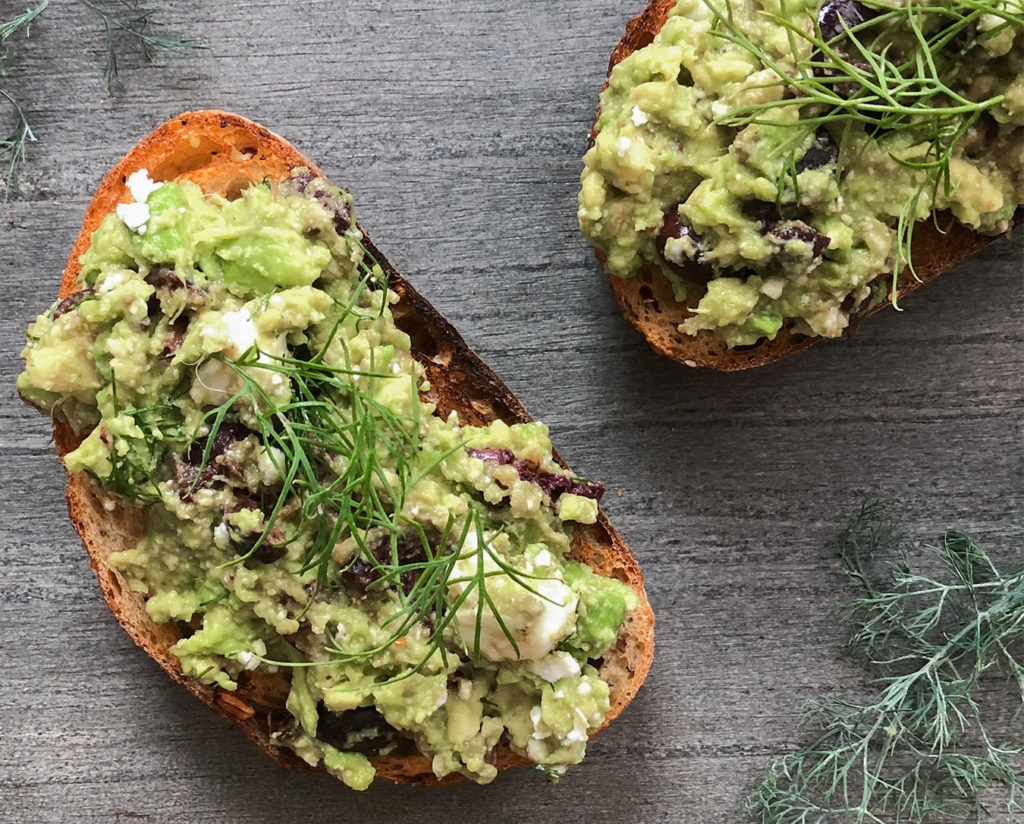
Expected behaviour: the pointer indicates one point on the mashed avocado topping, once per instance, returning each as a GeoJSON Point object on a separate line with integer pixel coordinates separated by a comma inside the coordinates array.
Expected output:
{"type": "Point", "coordinates": [234, 366]}
{"type": "Point", "coordinates": [770, 157]}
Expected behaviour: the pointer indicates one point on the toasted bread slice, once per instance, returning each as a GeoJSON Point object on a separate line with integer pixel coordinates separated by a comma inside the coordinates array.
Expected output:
{"type": "Point", "coordinates": [646, 298]}
{"type": "Point", "coordinates": [224, 153]}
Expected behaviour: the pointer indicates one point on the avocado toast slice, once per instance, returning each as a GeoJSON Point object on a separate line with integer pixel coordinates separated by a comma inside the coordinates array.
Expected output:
{"type": "Point", "coordinates": [225, 154]}
{"type": "Point", "coordinates": [647, 298]}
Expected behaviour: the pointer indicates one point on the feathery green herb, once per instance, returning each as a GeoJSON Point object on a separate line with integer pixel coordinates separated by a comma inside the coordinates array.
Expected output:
{"type": "Point", "coordinates": [12, 146]}
{"type": "Point", "coordinates": [127, 21]}
{"type": "Point", "coordinates": [124, 21]}
{"type": "Point", "coordinates": [330, 445]}
{"type": "Point", "coordinates": [921, 749]}
{"type": "Point", "coordinates": [892, 74]}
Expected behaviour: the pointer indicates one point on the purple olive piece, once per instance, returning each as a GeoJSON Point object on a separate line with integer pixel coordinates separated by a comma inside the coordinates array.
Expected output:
{"type": "Point", "coordinates": [187, 468]}
{"type": "Point", "coordinates": [164, 277]}
{"type": "Point", "coordinates": [409, 549]}
{"type": "Point", "coordinates": [176, 331]}
{"type": "Point", "coordinates": [823, 151]}
{"type": "Point", "coordinates": [835, 19]}
{"type": "Point", "coordinates": [673, 228]}
{"type": "Point", "coordinates": [318, 189]}
{"type": "Point", "coordinates": [551, 482]}
{"type": "Point", "coordinates": [71, 301]}
{"type": "Point", "coordinates": [786, 230]}
{"type": "Point", "coordinates": [764, 212]}
{"type": "Point", "coordinates": [839, 16]}
{"type": "Point", "coordinates": [361, 730]}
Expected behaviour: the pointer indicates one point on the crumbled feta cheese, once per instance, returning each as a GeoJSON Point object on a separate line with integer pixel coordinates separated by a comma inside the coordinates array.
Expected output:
{"type": "Point", "coordinates": [624, 144]}
{"type": "Point", "coordinates": [221, 535]}
{"type": "Point", "coordinates": [537, 622]}
{"type": "Point", "coordinates": [268, 473]}
{"type": "Point", "coordinates": [214, 383]}
{"type": "Point", "coordinates": [535, 718]}
{"type": "Point", "coordinates": [578, 733]}
{"type": "Point", "coordinates": [639, 117]}
{"type": "Point", "coordinates": [112, 281]}
{"type": "Point", "coordinates": [239, 332]}
{"type": "Point", "coordinates": [542, 730]}
{"type": "Point", "coordinates": [248, 660]}
{"type": "Point", "coordinates": [136, 214]}
{"type": "Point", "coordinates": [772, 287]}
{"type": "Point", "coordinates": [141, 185]}
{"type": "Point", "coordinates": [556, 665]}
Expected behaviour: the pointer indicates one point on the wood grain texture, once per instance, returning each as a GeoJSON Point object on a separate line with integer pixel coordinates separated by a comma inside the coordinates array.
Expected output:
{"type": "Point", "coordinates": [459, 127]}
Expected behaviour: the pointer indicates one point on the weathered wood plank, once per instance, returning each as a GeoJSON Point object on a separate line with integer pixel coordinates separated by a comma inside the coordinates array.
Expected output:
{"type": "Point", "coordinates": [459, 127]}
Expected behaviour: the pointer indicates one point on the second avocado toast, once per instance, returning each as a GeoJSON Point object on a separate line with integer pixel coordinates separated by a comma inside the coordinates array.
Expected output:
{"type": "Point", "coordinates": [757, 169]}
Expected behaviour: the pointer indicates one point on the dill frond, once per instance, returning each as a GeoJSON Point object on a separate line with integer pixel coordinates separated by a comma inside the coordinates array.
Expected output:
{"type": "Point", "coordinates": [123, 21]}
{"type": "Point", "coordinates": [12, 146]}
{"type": "Point", "coordinates": [921, 749]}
{"type": "Point", "coordinates": [128, 21]}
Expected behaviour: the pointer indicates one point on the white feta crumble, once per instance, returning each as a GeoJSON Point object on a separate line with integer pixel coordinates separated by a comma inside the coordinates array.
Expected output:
{"type": "Point", "coordinates": [578, 733]}
{"type": "Point", "coordinates": [554, 666]}
{"type": "Point", "coordinates": [141, 185]}
{"type": "Point", "coordinates": [135, 215]}
{"type": "Point", "coordinates": [239, 332]}
{"type": "Point", "coordinates": [112, 281]}
{"type": "Point", "coordinates": [535, 718]}
{"type": "Point", "coordinates": [624, 144]}
{"type": "Point", "coordinates": [248, 660]}
{"type": "Point", "coordinates": [266, 464]}
{"type": "Point", "coordinates": [772, 287]}
{"type": "Point", "coordinates": [638, 116]}
{"type": "Point", "coordinates": [538, 622]}
{"type": "Point", "coordinates": [543, 730]}
{"type": "Point", "coordinates": [221, 535]}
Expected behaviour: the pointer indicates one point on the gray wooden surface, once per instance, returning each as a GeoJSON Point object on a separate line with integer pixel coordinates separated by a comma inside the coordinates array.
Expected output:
{"type": "Point", "coordinates": [459, 126]}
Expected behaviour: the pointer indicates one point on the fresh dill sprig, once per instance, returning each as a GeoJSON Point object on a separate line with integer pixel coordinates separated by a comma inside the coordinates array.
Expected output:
{"type": "Point", "coordinates": [123, 21]}
{"type": "Point", "coordinates": [22, 21]}
{"type": "Point", "coordinates": [127, 20]}
{"type": "Point", "coordinates": [890, 75]}
{"type": "Point", "coordinates": [12, 146]}
{"type": "Point", "coordinates": [921, 749]}
{"type": "Point", "coordinates": [347, 463]}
